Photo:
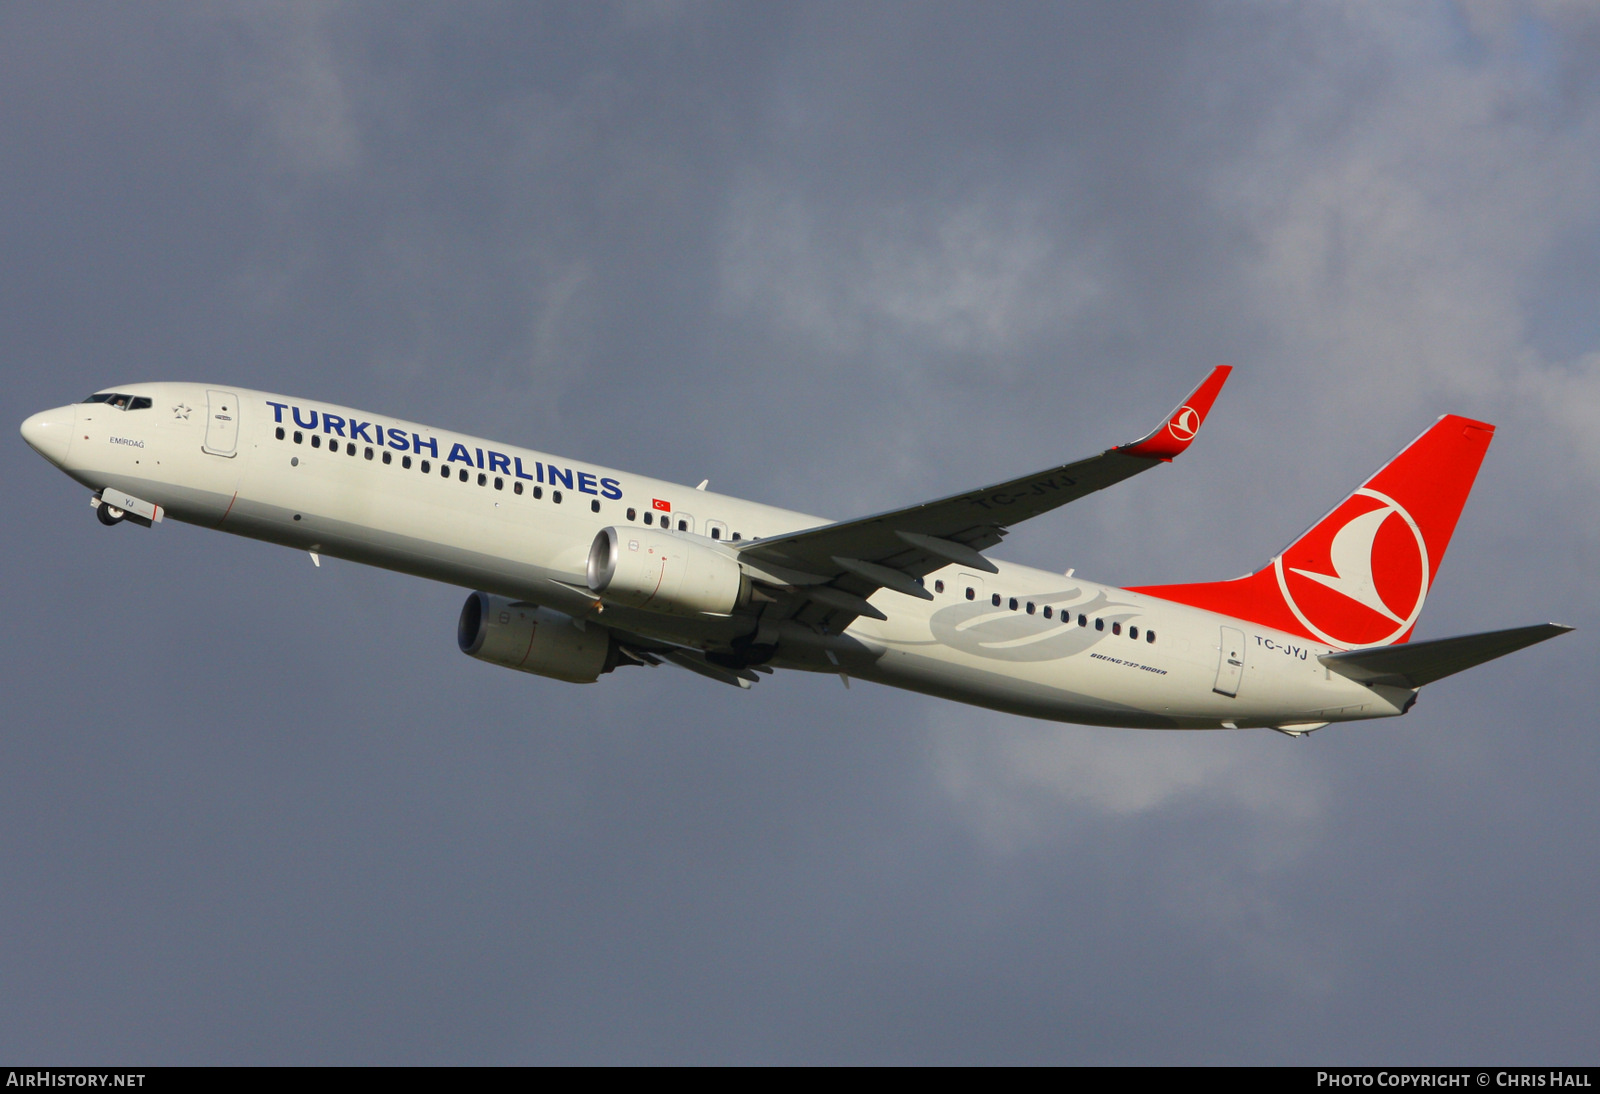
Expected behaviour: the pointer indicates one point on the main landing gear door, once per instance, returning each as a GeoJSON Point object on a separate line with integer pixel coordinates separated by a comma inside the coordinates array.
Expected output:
{"type": "Point", "coordinates": [1230, 662]}
{"type": "Point", "coordinates": [222, 423]}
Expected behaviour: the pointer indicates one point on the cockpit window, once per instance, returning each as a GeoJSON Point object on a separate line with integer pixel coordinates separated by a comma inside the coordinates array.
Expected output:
{"type": "Point", "coordinates": [120, 401]}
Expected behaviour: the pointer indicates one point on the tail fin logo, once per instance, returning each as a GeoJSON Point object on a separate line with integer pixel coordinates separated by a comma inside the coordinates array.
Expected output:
{"type": "Point", "coordinates": [1360, 576]}
{"type": "Point", "coordinates": [1184, 424]}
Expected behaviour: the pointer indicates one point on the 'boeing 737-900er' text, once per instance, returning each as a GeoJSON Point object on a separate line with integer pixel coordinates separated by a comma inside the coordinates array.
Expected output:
{"type": "Point", "coordinates": [582, 569]}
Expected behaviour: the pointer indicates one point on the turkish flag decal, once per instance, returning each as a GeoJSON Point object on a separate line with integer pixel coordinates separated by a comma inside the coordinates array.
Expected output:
{"type": "Point", "coordinates": [664, 506]}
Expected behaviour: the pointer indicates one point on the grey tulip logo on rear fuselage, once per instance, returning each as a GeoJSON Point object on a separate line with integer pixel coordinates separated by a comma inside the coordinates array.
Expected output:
{"type": "Point", "coordinates": [999, 633]}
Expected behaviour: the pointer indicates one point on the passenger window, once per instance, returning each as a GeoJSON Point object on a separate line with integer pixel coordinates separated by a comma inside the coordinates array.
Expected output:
{"type": "Point", "coordinates": [316, 440]}
{"type": "Point", "coordinates": [1047, 611]}
{"type": "Point", "coordinates": [351, 449]}
{"type": "Point", "coordinates": [499, 483]}
{"type": "Point", "coordinates": [1012, 604]}
{"type": "Point", "coordinates": [938, 586]}
{"type": "Point", "coordinates": [972, 594]}
{"type": "Point", "coordinates": [683, 526]}
{"type": "Point", "coordinates": [483, 480]}
{"type": "Point", "coordinates": [368, 452]}
{"type": "Point", "coordinates": [280, 433]}
{"type": "Point", "coordinates": [426, 468]}
{"type": "Point", "coordinates": [1099, 624]}
{"type": "Point", "coordinates": [995, 600]}
{"type": "Point", "coordinates": [462, 473]}
{"type": "Point", "coordinates": [405, 463]}
{"type": "Point", "coordinates": [594, 506]}
{"type": "Point", "coordinates": [649, 518]}
{"type": "Point", "coordinates": [298, 436]}
{"type": "Point", "coordinates": [1133, 633]}
{"type": "Point", "coordinates": [516, 488]}
{"type": "Point", "coordinates": [1030, 607]}
{"type": "Point", "coordinates": [736, 536]}
{"type": "Point", "coordinates": [716, 533]}
{"type": "Point", "coordinates": [1150, 636]}
{"type": "Point", "coordinates": [388, 457]}
{"type": "Point", "coordinates": [555, 496]}
{"type": "Point", "coordinates": [633, 514]}
{"type": "Point", "coordinates": [538, 492]}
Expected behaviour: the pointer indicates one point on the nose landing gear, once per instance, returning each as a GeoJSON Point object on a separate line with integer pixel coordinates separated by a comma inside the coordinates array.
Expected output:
{"type": "Point", "coordinates": [113, 507]}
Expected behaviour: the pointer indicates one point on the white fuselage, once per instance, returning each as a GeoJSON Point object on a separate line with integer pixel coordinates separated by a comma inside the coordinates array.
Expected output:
{"type": "Point", "coordinates": [463, 521]}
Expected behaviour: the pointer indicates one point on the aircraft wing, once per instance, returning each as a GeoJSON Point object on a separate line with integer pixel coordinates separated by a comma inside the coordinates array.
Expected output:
{"type": "Point", "coordinates": [835, 567]}
{"type": "Point", "coordinates": [1417, 663]}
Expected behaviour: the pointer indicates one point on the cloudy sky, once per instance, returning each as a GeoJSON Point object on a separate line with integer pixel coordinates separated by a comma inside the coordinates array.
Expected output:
{"type": "Point", "coordinates": [837, 257]}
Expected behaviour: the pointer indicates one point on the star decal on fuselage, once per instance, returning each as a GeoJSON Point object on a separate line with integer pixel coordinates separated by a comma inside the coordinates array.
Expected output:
{"type": "Point", "coordinates": [181, 411]}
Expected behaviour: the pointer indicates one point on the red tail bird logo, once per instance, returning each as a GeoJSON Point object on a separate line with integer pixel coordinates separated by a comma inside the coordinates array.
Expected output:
{"type": "Point", "coordinates": [1369, 551]}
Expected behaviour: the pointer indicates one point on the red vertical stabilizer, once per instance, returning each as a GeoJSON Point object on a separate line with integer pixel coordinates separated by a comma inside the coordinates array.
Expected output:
{"type": "Point", "coordinates": [1360, 576]}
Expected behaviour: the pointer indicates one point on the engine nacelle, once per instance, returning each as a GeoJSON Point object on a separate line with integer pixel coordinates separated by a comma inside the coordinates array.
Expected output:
{"type": "Point", "coordinates": [533, 639]}
{"type": "Point", "coordinates": [647, 568]}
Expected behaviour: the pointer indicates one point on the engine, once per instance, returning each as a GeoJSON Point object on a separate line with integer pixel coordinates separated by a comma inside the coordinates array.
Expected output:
{"type": "Point", "coordinates": [533, 639]}
{"type": "Point", "coordinates": [647, 568]}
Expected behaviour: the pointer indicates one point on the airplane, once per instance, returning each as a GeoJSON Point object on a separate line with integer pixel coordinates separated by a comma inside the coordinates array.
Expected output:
{"type": "Point", "coordinates": [578, 570]}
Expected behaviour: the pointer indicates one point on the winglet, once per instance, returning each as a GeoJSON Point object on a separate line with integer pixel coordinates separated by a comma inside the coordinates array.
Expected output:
{"type": "Point", "coordinates": [1175, 434]}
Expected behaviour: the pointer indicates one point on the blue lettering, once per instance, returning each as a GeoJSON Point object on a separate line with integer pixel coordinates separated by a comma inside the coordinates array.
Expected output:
{"type": "Point", "coordinates": [358, 431]}
{"type": "Point", "coordinates": [458, 453]}
{"type": "Point", "coordinates": [520, 473]}
{"type": "Point", "coordinates": [277, 410]}
{"type": "Point", "coordinates": [332, 423]}
{"type": "Point", "coordinates": [480, 459]}
{"type": "Point", "coordinates": [500, 465]}
{"type": "Point", "coordinates": [538, 469]}
{"type": "Point", "coordinates": [564, 477]}
{"type": "Point", "coordinates": [417, 442]}
{"type": "Point", "coordinates": [312, 424]}
{"type": "Point", "coordinates": [399, 439]}
{"type": "Point", "coordinates": [611, 489]}
{"type": "Point", "coordinates": [586, 483]}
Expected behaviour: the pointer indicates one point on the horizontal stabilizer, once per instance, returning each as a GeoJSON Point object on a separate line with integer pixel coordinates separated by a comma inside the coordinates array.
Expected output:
{"type": "Point", "coordinates": [1418, 663]}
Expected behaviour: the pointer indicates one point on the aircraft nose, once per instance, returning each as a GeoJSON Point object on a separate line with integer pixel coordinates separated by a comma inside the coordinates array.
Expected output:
{"type": "Point", "coordinates": [49, 433]}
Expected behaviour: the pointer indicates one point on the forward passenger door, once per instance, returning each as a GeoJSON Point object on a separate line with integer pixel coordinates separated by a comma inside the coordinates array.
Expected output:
{"type": "Point", "coordinates": [222, 423]}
